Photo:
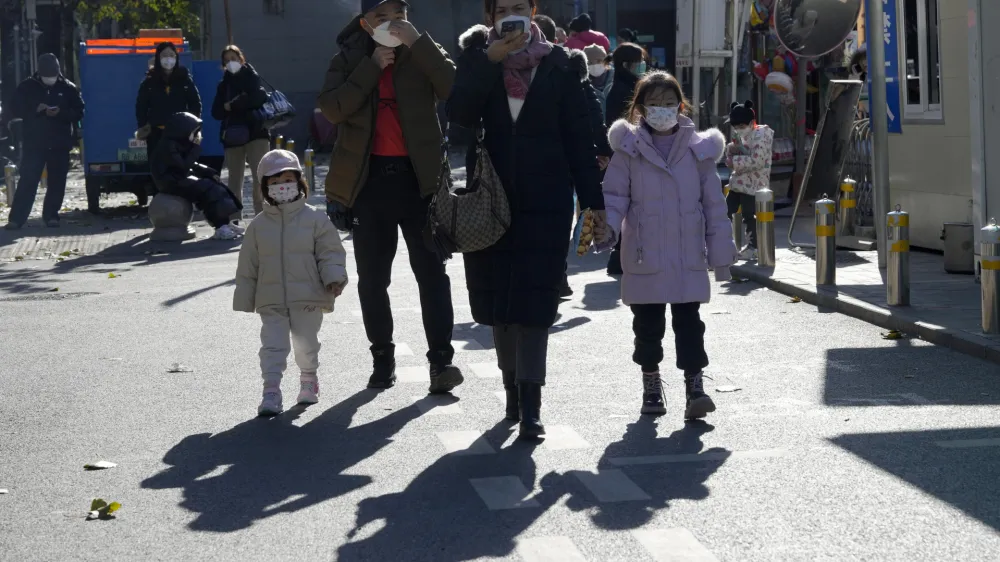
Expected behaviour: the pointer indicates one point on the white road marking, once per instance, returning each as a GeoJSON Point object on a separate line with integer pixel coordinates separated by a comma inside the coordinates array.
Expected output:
{"type": "Point", "coordinates": [968, 443]}
{"type": "Point", "coordinates": [436, 405]}
{"type": "Point", "coordinates": [465, 443]}
{"type": "Point", "coordinates": [503, 492]}
{"type": "Point", "coordinates": [698, 457]}
{"type": "Point", "coordinates": [356, 313]}
{"type": "Point", "coordinates": [485, 370]}
{"type": "Point", "coordinates": [549, 549]}
{"type": "Point", "coordinates": [611, 486]}
{"type": "Point", "coordinates": [403, 350]}
{"type": "Point", "coordinates": [562, 437]}
{"type": "Point", "coordinates": [467, 345]}
{"type": "Point", "coordinates": [412, 374]}
{"type": "Point", "coordinates": [673, 545]}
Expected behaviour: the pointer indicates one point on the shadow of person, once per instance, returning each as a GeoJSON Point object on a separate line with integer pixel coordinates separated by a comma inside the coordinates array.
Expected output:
{"type": "Point", "coordinates": [604, 295]}
{"type": "Point", "coordinates": [440, 517]}
{"type": "Point", "coordinates": [663, 470]}
{"type": "Point", "coordinates": [263, 467]}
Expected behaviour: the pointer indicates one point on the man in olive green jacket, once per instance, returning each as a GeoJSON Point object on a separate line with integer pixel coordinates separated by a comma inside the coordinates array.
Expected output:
{"type": "Point", "coordinates": [382, 89]}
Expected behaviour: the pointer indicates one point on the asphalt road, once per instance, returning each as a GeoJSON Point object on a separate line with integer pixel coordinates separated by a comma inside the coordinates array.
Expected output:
{"type": "Point", "coordinates": [839, 445]}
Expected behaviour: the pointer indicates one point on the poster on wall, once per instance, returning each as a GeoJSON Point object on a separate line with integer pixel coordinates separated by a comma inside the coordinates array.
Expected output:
{"type": "Point", "coordinates": [890, 37]}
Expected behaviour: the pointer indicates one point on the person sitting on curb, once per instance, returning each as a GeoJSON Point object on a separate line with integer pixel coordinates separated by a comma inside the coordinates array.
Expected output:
{"type": "Point", "coordinates": [176, 171]}
{"type": "Point", "coordinates": [382, 89]}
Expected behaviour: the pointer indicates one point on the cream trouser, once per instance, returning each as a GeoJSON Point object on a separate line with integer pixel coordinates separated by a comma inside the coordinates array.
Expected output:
{"type": "Point", "coordinates": [302, 324]}
{"type": "Point", "coordinates": [236, 160]}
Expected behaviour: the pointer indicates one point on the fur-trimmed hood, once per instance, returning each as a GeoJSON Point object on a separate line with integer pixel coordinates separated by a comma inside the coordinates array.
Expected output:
{"type": "Point", "coordinates": [475, 37]}
{"type": "Point", "coordinates": [705, 145]}
{"type": "Point", "coordinates": [578, 62]}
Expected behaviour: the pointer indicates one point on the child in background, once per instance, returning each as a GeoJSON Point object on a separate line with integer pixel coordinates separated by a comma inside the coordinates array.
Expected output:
{"type": "Point", "coordinates": [748, 156]}
{"type": "Point", "coordinates": [291, 269]}
{"type": "Point", "coordinates": [664, 201]}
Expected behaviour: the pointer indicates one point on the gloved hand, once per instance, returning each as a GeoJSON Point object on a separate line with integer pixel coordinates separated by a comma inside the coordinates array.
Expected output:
{"type": "Point", "coordinates": [341, 216]}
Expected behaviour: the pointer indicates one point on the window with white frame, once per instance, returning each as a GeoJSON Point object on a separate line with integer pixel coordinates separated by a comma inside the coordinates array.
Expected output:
{"type": "Point", "coordinates": [922, 57]}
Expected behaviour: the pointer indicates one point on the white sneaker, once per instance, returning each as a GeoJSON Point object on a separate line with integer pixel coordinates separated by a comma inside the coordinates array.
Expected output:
{"type": "Point", "coordinates": [748, 253]}
{"type": "Point", "coordinates": [271, 404]}
{"type": "Point", "coordinates": [239, 229]}
{"type": "Point", "coordinates": [226, 232]}
{"type": "Point", "coordinates": [308, 391]}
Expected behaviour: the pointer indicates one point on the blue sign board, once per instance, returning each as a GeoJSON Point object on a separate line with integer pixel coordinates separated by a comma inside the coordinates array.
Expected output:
{"type": "Point", "coordinates": [888, 32]}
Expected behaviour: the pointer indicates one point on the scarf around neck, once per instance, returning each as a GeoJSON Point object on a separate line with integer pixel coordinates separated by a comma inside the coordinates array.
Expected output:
{"type": "Point", "coordinates": [518, 66]}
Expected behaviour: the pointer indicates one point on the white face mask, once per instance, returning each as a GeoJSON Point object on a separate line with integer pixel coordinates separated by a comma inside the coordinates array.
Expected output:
{"type": "Point", "coordinates": [597, 70]}
{"type": "Point", "coordinates": [661, 119]}
{"type": "Point", "coordinates": [283, 192]}
{"type": "Point", "coordinates": [50, 81]}
{"type": "Point", "coordinates": [382, 36]}
{"type": "Point", "coordinates": [527, 28]}
{"type": "Point", "coordinates": [168, 62]}
{"type": "Point", "coordinates": [233, 66]}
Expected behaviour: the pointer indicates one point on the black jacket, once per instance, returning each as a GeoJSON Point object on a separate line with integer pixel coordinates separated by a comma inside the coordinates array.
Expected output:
{"type": "Point", "coordinates": [539, 160]}
{"type": "Point", "coordinates": [579, 61]}
{"type": "Point", "coordinates": [247, 94]}
{"type": "Point", "coordinates": [40, 130]}
{"type": "Point", "coordinates": [158, 100]}
{"type": "Point", "coordinates": [620, 96]}
{"type": "Point", "coordinates": [175, 167]}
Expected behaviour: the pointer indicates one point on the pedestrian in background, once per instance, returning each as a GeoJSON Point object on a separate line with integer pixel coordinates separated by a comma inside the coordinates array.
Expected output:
{"type": "Point", "coordinates": [629, 64]}
{"type": "Point", "coordinates": [540, 151]}
{"type": "Point", "coordinates": [582, 34]}
{"type": "Point", "coordinates": [291, 269]}
{"type": "Point", "coordinates": [665, 204]}
{"type": "Point", "coordinates": [50, 107]}
{"type": "Point", "coordinates": [626, 35]}
{"type": "Point", "coordinates": [382, 88]}
{"type": "Point", "coordinates": [548, 27]}
{"type": "Point", "coordinates": [167, 89]}
{"type": "Point", "coordinates": [601, 74]}
{"type": "Point", "coordinates": [239, 94]}
{"type": "Point", "coordinates": [749, 158]}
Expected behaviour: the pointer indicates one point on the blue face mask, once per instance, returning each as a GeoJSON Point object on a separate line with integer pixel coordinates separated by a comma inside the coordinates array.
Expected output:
{"type": "Point", "coordinates": [640, 69]}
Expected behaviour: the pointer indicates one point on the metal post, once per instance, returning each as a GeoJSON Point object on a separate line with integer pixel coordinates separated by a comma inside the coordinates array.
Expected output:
{"type": "Point", "coordinates": [801, 98]}
{"type": "Point", "coordinates": [310, 168]}
{"type": "Point", "coordinates": [279, 142]}
{"type": "Point", "coordinates": [990, 274]}
{"type": "Point", "coordinates": [826, 241]}
{"type": "Point", "coordinates": [848, 206]}
{"type": "Point", "coordinates": [897, 287]}
{"type": "Point", "coordinates": [764, 201]}
{"type": "Point", "coordinates": [696, 63]}
{"type": "Point", "coordinates": [880, 128]}
{"type": "Point", "coordinates": [290, 145]}
{"type": "Point", "coordinates": [17, 54]}
{"type": "Point", "coordinates": [10, 183]}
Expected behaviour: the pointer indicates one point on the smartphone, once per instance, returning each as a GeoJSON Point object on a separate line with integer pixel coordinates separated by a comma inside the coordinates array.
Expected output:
{"type": "Point", "coordinates": [509, 26]}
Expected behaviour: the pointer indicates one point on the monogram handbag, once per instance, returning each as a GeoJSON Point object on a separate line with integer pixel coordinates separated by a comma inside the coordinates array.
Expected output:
{"type": "Point", "coordinates": [472, 218]}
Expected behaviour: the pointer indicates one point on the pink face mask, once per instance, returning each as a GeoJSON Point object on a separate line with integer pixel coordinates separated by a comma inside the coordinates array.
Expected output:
{"type": "Point", "coordinates": [283, 192]}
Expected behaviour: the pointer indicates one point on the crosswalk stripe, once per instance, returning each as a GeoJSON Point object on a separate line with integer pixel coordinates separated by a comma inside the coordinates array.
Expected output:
{"type": "Point", "coordinates": [503, 492]}
{"type": "Point", "coordinates": [485, 370]}
{"type": "Point", "coordinates": [412, 374]}
{"type": "Point", "coordinates": [673, 545]}
{"type": "Point", "coordinates": [610, 486]}
{"type": "Point", "coordinates": [465, 443]}
{"type": "Point", "coordinates": [403, 350]}
{"type": "Point", "coordinates": [549, 549]}
{"type": "Point", "coordinates": [562, 437]}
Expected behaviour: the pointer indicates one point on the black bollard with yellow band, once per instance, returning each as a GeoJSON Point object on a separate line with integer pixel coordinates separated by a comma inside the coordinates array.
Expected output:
{"type": "Point", "coordinates": [826, 241]}
{"type": "Point", "coordinates": [897, 288]}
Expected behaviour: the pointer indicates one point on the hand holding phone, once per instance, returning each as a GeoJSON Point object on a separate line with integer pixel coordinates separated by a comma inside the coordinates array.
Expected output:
{"type": "Point", "coordinates": [509, 26]}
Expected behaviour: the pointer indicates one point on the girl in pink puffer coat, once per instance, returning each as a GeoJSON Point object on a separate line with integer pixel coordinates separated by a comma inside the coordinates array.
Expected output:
{"type": "Point", "coordinates": [664, 201]}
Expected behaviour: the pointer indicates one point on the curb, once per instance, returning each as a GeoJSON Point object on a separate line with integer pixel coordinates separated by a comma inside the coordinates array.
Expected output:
{"type": "Point", "coordinates": [963, 342]}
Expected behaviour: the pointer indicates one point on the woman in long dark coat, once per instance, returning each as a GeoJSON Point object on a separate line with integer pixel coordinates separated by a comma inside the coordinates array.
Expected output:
{"type": "Point", "coordinates": [530, 103]}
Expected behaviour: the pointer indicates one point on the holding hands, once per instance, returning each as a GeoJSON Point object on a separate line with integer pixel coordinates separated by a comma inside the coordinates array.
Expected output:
{"type": "Point", "coordinates": [336, 289]}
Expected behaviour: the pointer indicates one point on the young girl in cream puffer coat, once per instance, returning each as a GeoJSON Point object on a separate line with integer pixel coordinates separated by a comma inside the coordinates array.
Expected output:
{"type": "Point", "coordinates": [291, 269]}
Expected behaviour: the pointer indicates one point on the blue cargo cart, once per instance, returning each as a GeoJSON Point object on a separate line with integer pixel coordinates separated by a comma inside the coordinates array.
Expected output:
{"type": "Point", "coordinates": [110, 73]}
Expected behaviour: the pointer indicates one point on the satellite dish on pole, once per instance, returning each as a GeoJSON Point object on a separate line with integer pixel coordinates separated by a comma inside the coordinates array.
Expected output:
{"type": "Point", "coordinates": [813, 28]}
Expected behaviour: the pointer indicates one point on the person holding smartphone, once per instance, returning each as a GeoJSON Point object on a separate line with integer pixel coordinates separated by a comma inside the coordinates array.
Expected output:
{"type": "Point", "coordinates": [382, 89]}
{"type": "Point", "coordinates": [50, 106]}
{"type": "Point", "coordinates": [540, 150]}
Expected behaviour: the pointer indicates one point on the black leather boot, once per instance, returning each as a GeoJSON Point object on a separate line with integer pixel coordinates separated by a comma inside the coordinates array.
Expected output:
{"type": "Point", "coordinates": [530, 397]}
{"type": "Point", "coordinates": [698, 404]}
{"type": "Point", "coordinates": [510, 386]}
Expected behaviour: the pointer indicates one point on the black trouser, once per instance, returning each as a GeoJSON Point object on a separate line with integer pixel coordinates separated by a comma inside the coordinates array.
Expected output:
{"type": "Point", "coordinates": [650, 325]}
{"type": "Point", "coordinates": [390, 201]}
{"type": "Point", "coordinates": [522, 350]}
{"type": "Point", "coordinates": [33, 161]}
{"type": "Point", "coordinates": [733, 203]}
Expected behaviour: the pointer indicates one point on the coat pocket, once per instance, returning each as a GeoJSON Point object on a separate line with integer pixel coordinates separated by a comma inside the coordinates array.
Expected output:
{"type": "Point", "coordinates": [638, 255]}
{"type": "Point", "coordinates": [694, 253]}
